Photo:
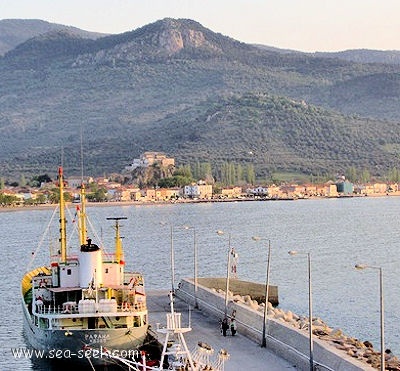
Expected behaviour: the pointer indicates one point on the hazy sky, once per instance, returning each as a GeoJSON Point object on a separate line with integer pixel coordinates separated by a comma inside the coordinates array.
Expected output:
{"type": "Point", "coordinates": [306, 25]}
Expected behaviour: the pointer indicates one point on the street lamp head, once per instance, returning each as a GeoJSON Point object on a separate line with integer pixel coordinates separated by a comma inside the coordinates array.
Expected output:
{"type": "Point", "coordinates": [256, 238]}
{"type": "Point", "coordinates": [219, 232]}
{"type": "Point", "coordinates": [365, 266]}
{"type": "Point", "coordinates": [292, 252]}
{"type": "Point", "coordinates": [361, 266]}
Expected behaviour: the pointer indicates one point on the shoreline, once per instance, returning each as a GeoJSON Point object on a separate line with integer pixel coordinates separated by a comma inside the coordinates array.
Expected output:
{"type": "Point", "coordinates": [145, 203]}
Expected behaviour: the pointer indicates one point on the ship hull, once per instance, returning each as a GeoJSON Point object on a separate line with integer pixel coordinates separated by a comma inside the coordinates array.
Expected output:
{"type": "Point", "coordinates": [99, 345]}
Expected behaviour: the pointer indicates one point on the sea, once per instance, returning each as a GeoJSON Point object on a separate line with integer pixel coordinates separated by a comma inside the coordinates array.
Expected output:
{"type": "Point", "coordinates": [338, 233]}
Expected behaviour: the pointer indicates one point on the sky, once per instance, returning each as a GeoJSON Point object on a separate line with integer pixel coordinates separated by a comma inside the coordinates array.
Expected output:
{"type": "Point", "coordinates": [305, 25]}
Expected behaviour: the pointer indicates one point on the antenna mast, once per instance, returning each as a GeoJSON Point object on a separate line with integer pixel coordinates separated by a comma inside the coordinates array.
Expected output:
{"type": "Point", "coordinates": [118, 245]}
{"type": "Point", "coordinates": [82, 211]}
{"type": "Point", "coordinates": [63, 231]}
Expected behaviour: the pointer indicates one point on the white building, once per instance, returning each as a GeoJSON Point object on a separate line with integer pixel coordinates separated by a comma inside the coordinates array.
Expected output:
{"type": "Point", "coordinates": [202, 191]}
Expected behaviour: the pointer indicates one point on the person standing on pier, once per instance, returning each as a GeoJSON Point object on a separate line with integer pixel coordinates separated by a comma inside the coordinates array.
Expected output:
{"type": "Point", "coordinates": [224, 326]}
{"type": "Point", "coordinates": [233, 326]}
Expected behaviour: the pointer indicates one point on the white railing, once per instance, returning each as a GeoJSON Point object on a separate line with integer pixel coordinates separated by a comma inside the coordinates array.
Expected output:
{"type": "Point", "coordinates": [73, 309]}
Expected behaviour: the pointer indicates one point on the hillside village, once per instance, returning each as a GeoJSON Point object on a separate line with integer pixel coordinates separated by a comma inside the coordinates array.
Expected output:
{"type": "Point", "coordinates": [104, 190]}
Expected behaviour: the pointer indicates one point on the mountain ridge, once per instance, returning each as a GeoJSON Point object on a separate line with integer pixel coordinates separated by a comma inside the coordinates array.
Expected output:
{"type": "Point", "coordinates": [16, 31]}
{"type": "Point", "coordinates": [155, 87]}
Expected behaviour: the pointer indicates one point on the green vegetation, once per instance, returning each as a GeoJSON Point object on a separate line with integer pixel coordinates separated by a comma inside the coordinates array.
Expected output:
{"type": "Point", "coordinates": [233, 112]}
{"type": "Point", "coordinates": [7, 200]}
{"type": "Point", "coordinates": [96, 193]}
{"type": "Point", "coordinates": [54, 196]}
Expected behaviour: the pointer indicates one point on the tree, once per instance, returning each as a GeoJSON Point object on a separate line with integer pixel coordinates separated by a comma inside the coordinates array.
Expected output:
{"type": "Point", "coordinates": [96, 193]}
{"type": "Point", "coordinates": [184, 171]}
{"type": "Point", "coordinates": [54, 196]}
{"type": "Point", "coordinates": [394, 175]}
{"type": "Point", "coordinates": [7, 200]}
{"type": "Point", "coordinates": [37, 180]}
{"type": "Point", "coordinates": [228, 174]}
{"type": "Point", "coordinates": [351, 174]}
{"type": "Point", "coordinates": [22, 181]}
{"type": "Point", "coordinates": [203, 170]}
{"type": "Point", "coordinates": [175, 181]}
{"type": "Point", "coordinates": [239, 173]}
{"type": "Point", "coordinates": [250, 174]}
{"type": "Point", "coordinates": [41, 199]}
{"type": "Point", "coordinates": [365, 176]}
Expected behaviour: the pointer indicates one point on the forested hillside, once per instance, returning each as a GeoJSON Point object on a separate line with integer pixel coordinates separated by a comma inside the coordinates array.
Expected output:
{"type": "Point", "coordinates": [177, 87]}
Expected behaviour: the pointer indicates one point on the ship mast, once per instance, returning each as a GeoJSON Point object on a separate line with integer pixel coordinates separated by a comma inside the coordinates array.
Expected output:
{"type": "Point", "coordinates": [82, 216]}
{"type": "Point", "coordinates": [118, 244]}
{"type": "Point", "coordinates": [63, 231]}
{"type": "Point", "coordinates": [82, 211]}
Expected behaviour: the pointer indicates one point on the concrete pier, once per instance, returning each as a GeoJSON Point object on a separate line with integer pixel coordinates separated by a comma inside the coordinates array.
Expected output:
{"type": "Point", "coordinates": [285, 340]}
{"type": "Point", "coordinates": [245, 354]}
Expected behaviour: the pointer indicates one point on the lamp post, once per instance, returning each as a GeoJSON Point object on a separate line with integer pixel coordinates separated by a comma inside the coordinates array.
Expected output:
{"type": "Point", "coordinates": [172, 254]}
{"type": "Point", "coordinates": [195, 272]}
{"type": "Point", "coordinates": [264, 339]}
{"type": "Point", "coordinates": [364, 266]}
{"type": "Point", "coordinates": [309, 305]}
{"type": "Point", "coordinates": [220, 233]}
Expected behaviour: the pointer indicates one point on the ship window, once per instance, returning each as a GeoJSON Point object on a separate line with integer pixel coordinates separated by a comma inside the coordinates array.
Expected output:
{"type": "Point", "coordinates": [69, 272]}
{"type": "Point", "coordinates": [136, 321]}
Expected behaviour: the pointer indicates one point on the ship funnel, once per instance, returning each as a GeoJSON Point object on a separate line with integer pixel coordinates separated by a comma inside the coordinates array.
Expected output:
{"type": "Point", "coordinates": [90, 265]}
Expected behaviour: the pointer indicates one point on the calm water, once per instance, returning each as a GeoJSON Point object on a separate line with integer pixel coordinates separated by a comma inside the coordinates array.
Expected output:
{"type": "Point", "coordinates": [339, 233]}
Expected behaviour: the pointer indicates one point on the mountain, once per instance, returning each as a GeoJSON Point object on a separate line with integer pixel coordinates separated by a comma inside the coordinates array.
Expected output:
{"type": "Point", "coordinates": [351, 55]}
{"type": "Point", "coordinates": [178, 87]}
{"type": "Point", "coordinates": [364, 56]}
{"type": "Point", "coordinates": [16, 31]}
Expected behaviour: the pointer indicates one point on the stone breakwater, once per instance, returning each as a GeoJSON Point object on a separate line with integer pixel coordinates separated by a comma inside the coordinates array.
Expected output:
{"type": "Point", "coordinates": [286, 332]}
{"type": "Point", "coordinates": [361, 350]}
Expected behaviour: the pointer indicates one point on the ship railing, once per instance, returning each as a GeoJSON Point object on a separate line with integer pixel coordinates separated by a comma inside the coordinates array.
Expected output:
{"type": "Point", "coordinates": [109, 257]}
{"type": "Point", "coordinates": [132, 307]}
{"type": "Point", "coordinates": [50, 309]}
{"type": "Point", "coordinates": [73, 309]}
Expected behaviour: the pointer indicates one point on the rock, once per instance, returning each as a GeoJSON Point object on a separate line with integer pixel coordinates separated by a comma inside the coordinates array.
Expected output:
{"type": "Point", "coordinates": [359, 353]}
{"type": "Point", "coordinates": [247, 299]}
{"type": "Point", "coordinates": [238, 299]}
{"type": "Point", "coordinates": [368, 344]}
{"type": "Point", "coordinates": [289, 316]}
{"type": "Point", "coordinates": [279, 314]}
{"type": "Point", "coordinates": [253, 304]}
{"type": "Point", "coordinates": [303, 324]}
{"type": "Point", "coordinates": [337, 333]}
{"type": "Point", "coordinates": [318, 322]}
{"type": "Point", "coordinates": [295, 316]}
{"type": "Point", "coordinates": [320, 331]}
